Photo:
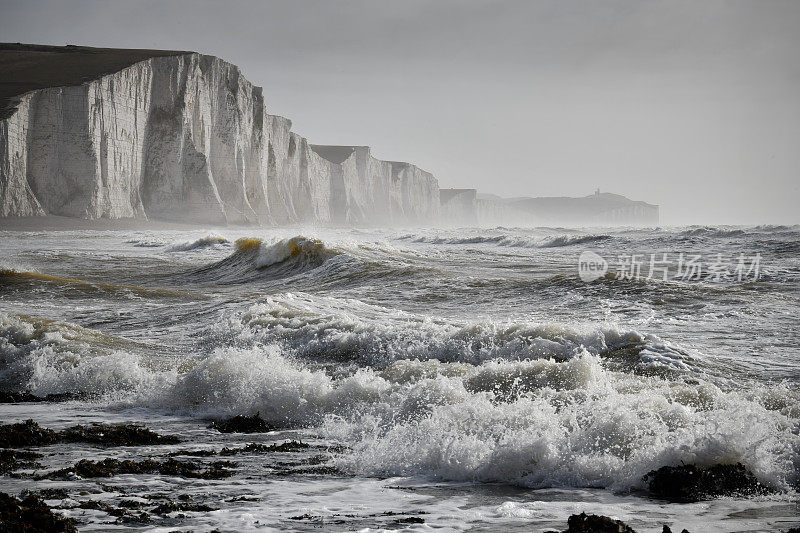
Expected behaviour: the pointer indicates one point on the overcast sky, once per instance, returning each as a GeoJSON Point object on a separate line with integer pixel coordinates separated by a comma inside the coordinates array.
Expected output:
{"type": "Point", "coordinates": [693, 105]}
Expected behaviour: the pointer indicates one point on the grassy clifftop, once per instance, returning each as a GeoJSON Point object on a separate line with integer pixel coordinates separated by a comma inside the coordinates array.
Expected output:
{"type": "Point", "coordinates": [27, 67]}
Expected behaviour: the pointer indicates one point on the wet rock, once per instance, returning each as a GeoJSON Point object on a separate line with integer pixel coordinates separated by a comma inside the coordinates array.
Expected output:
{"type": "Point", "coordinates": [687, 483]}
{"type": "Point", "coordinates": [254, 447]}
{"type": "Point", "coordinates": [242, 424]}
{"type": "Point", "coordinates": [298, 469]}
{"type": "Point", "coordinates": [409, 520]}
{"type": "Point", "coordinates": [27, 433]}
{"type": "Point", "coordinates": [132, 504]}
{"type": "Point", "coordinates": [134, 518]}
{"type": "Point", "coordinates": [116, 435]}
{"type": "Point", "coordinates": [170, 467]}
{"type": "Point", "coordinates": [172, 507]}
{"type": "Point", "coordinates": [192, 453]}
{"type": "Point", "coordinates": [583, 523]}
{"type": "Point", "coordinates": [31, 515]}
{"type": "Point", "coordinates": [18, 397]}
{"type": "Point", "coordinates": [48, 494]}
{"type": "Point", "coordinates": [243, 499]}
{"type": "Point", "coordinates": [101, 506]}
{"type": "Point", "coordinates": [11, 460]}
{"type": "Point", "coordinates": [124, 514]}
{"type": "Point", "coordinates": [27, 397]}
{"type": "Point", "coordinates": [668, 530]}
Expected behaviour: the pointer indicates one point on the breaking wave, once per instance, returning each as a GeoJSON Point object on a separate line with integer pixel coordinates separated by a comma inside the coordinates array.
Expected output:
{"type": "Point", "coordinates": [434, 390]}
{"type": "Point", "coordinates": [332, 329]}
{"type": "Point", "coordinates": [51, 357]}
{"type": "Point", "coordinates": [255, 259]}
{"type": "Point", "coordinates": [570, 240]}
{"type": "Point", "coordinates": [204, 242]}
{"type": "Point", "coordinates": [513, 241]}
{"type": "Point", "coordinates": [711, 231]}
{"type": "Point", "coordinates": [535, 422]}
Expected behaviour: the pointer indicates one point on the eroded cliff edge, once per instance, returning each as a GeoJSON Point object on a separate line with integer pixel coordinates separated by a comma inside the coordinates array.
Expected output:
{"type": "Point", "coordinates": [182, 136]}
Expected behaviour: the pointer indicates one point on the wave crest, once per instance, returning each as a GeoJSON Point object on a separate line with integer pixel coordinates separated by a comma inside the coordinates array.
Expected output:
{"type": "Point", "coordinates": [209, 240]}
{"type": "Point", "coordinates": [535, 423]}
{"type": "Point", "coordinates": [255, 259]}
{"type": "Point", "coordinates": [331, 329]}
{"type": "Point", "coordinates": [511, 241]}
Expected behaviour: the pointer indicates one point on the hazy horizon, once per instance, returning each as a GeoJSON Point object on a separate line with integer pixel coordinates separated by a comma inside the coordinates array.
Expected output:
{"type": "Point", "coordinates": [692, 106]}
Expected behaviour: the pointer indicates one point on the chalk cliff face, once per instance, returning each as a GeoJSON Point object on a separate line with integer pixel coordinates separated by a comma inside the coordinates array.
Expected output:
{"type": "Point", "coordinates": [187, 138]}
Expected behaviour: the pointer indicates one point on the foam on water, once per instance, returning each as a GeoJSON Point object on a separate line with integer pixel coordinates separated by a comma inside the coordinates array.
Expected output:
{"type": "Point", "coordinates": [469, 356]}
{"type": "Point", "coordinates": [513, 241]}
{"type": "Point", "coordinates": [348, 329]}
{"type": "Point", "coordinates": [49, 357]}
{"type": "Point", "coordinates": [534, 422]}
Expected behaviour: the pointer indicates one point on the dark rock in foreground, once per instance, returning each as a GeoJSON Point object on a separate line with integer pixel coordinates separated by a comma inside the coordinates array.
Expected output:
{"type": "Point", "coordinates": [18, 397]}
{"type": "Point", "coordinates": [11, 460]}
{"type": "Point", "coordinates": [290, 446]}
{"type": "Point", "coordinates": [242, 424]}
{"type": "Point", "coordinates": [27, 397]}
{"type": "Point", "coordinates": [116, 435]}
{"type": "Point", "coordinates": [172, 507]}
{"type": "Point", "coordinates": [170, 467]}
{"type": "Point", "coordinates": [254, 447]}
{"type": "Point", "coordinates": [583, 523]}
{"type": "Point", "coordinates": [30, 515]}
{"type": "Point", "coordinates": [29, 433]}
{"type": "Point", "coordinates": [688, 483]}
{"type": "Point", "coordinates": [668, 530]}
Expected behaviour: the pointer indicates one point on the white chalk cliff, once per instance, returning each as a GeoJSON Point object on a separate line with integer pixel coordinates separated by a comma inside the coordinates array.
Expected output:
{"type": "Point", "coordinates": [187, 138]}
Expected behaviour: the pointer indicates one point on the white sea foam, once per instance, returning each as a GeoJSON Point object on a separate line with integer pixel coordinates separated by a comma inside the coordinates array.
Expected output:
{"type": "Point", "coordinates": [46, 357]}
{"type": "Point", "coordinates": [347, 329]}
{"type": "Point", "coordinates": [582, 395]}
{"type": "Point", "coordinates": [608, 430]}
{"type": "Point", "coordinates": [509, 240]}
{"type": "Point", "coordinates": [534, 422]}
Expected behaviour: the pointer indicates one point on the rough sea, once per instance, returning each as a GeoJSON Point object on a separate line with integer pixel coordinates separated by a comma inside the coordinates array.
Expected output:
{"type": "Point", "coordinates": [448, 379]}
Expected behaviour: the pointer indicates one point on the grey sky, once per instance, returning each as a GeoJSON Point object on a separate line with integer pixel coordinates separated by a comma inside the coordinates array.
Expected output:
{"type": "Point", "coordinates": [694, 105]}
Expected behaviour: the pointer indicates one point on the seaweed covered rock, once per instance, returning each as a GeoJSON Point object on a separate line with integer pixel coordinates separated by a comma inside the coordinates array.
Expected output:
{"type": "Point", "coordinates": [170, 467]}
{"type": "Point", "coordinates": [583, 523]}
{"type": "Point", "coordinates": [27, 433]}
{"type": "Point", "coordinates": [174, 507]}
{"type": "Point", "coordinates": [242, 424]}
{"type": "Point", "coordinates": [666, 529]}
{"type": "Point", "coordinates": [254, 447]}
{"type": "Point", "coordinates": [688, 483]}
{"type": "Point", "coordinates": [18, 397]}
{"type": "Point", "coordinates": [30, 515]}
{"type": "Point", "coordinates": [123, 513]}
{"type": "Point", "coordinates": [11, 460]}
{"type": "Point", "coordinates": [116, 435]}
{"type": "Point", "coordinates": [291, 446]}
{"type": "Point", "coordinates": [27, 397]}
